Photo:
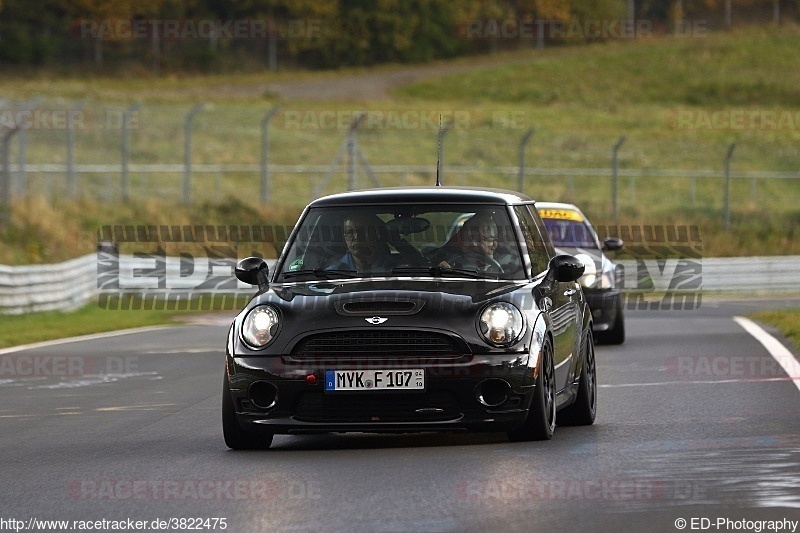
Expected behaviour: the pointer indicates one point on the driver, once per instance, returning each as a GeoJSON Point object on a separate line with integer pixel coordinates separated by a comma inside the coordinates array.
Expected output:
{"type": "Point", "coordinates": [364, 249]}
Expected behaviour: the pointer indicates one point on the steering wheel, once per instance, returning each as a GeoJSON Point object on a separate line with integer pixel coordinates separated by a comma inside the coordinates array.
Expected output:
{"type": "Point", "coordinates": [484, 263]}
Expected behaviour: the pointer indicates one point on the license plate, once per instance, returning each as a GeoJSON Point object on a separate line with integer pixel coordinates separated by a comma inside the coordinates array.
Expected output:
{"type": "Point", "coordinates": [374, 380]}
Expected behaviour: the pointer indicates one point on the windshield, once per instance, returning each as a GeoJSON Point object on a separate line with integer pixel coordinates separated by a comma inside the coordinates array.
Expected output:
{"type": "Point", "coordinates": [571, 234]}
{"type": "Point", "coordinates": [400, 240]}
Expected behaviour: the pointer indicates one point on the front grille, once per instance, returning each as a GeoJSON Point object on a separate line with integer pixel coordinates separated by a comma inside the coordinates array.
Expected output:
{"type": "Point", "coordinates": [377, 407]}
{"type": "Point", "coordinates": [378, 344]}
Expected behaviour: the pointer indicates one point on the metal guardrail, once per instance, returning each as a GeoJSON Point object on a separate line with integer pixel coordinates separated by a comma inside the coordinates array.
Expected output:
{"type": "Point", "coordinates": [72, 284]}
{"type": "Point", "coordinates": [62, 286]}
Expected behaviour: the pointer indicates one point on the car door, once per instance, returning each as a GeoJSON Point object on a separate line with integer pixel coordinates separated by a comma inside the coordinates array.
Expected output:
{"type": "Point", "coordinates": [563, 295]}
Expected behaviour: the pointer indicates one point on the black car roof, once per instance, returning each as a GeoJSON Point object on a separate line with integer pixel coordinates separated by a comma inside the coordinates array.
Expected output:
{"type": "Point", "coordinates": [431, 194]}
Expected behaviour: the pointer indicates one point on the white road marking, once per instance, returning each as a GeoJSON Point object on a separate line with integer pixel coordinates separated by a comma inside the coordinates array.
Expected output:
{"type": "Point", "coordinates": [778, 351]}
{"type": "Point", "coordinates": [92, 337]}
{"type": "Point", "coordinates": [692, 382]}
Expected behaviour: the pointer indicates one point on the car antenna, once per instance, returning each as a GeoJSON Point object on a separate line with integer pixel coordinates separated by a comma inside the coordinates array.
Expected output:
{"type": "Point", "coordinates": [442, 132]}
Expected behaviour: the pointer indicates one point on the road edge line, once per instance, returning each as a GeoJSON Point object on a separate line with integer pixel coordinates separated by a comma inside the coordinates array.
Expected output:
{"type": "Point", "coordinates": [90, 337]}
{"type": "Point", "coordinates": [778, 351]}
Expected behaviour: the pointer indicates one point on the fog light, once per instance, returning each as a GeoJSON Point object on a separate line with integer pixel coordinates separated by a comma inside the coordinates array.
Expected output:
{"type": "Point", "coordinates": [263, 394]}
{"type": "Point", "coordinates": [492, 392]}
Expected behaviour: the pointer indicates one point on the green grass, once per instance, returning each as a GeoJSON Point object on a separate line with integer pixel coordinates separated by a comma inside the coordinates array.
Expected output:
{"type": "Point", "coordinates": [580, 100]}
{"type": "Point", "coordinates": [787, 321]}
{"type": "Point", "coordinates": [754, 67]}
{"type": "Point", "coordinates": [49, 325]}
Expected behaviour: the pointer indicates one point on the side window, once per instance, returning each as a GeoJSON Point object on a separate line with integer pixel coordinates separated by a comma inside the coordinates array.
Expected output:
{"type": "Point", "coordinates": [537, 246]}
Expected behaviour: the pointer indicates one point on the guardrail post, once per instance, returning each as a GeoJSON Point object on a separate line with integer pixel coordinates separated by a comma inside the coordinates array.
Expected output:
{"type": "Point", "coordinates": [187, 152]}
{"type": "Point", "coordinates": [615, 176]}
{"type": "Point", "coordinates": [126, 149]}
{"type": "Point", "coordinates": [72, 178]}
{"type": "Point", "coordinates": [728, 157]}
{"type": "Point", "coordinates": [522, 144]}
{"type": "Point", "coordinates": [265, 154]}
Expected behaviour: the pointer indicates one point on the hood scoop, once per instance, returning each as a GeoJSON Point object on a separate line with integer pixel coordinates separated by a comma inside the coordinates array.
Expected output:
{"type": "Point", "coordinates": [379, 307]}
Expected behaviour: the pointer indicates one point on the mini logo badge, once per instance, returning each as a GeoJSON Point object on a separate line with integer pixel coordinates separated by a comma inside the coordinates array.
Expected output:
{"type": "Point", "coordinates": [376, 320]}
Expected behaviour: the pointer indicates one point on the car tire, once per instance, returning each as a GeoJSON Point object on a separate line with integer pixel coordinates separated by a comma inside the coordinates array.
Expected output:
{"type": "Point", "coordinates": [584, 410]}
{"type": "Point", "coordinates": [615, 335]}
{"type": "Point", "coordinates": [541, 420]}
{"type": "Point", "coordinates": [236, 438]}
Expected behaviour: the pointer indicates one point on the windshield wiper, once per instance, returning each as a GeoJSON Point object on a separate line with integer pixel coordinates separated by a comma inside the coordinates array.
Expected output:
{"type": "Point", "coordinates": [321, 273]}
{"type": "Point", "coordinates": [441, 272]}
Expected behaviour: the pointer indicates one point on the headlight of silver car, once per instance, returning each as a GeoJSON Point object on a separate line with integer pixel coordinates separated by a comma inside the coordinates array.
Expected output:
{"type": "Point", "coordinates": [260, 326]}
{"type": "Point", "coordinates": [501, 324]}
{"type": "Point", "coordinates": [589, 277]}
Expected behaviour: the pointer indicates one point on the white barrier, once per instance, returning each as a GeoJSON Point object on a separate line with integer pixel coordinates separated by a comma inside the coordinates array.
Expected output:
{"type": "Point", "coordinates": [63, 286]}
{"type": "Point", "coordinates": [72, 284]}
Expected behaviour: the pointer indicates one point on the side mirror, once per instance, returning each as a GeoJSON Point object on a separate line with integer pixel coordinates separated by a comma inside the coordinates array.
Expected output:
{"type": "Point", "coordinates": [566, 268]}
{"type": "Point", "coordinates": [254, 271]}
{"type": "Point", "coordinates": [613, 243]}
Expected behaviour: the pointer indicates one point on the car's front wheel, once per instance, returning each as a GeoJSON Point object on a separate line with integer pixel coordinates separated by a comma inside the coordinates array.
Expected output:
{"type": "Point", "coordinates": [541, 420]}
{"type": "Point", "coordinates": [236, 438]}
{"type": "Point", "coordinates": [584, 410]}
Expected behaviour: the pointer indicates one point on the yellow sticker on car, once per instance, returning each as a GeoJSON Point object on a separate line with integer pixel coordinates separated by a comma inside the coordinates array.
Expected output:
{"type": "Point", "coordinates": [561, 214]}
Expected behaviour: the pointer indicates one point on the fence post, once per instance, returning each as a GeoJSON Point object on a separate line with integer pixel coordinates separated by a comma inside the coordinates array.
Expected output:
{"type": "Point", "coordinates": [126, 149]}
{"type": "Point", "coordinates": [187, 152]}
{"type": "Point", "coordinates": [522, 143]}
{"type": "Point", "coordinates": [265, 154]}
{"type": "Point", "coordinates": [23, 147]}
{"type": "Point", "coordinates": [72, 179]}
{"type": "Point", "coordinates": [272, 46]}
{"type": "Point", "coordinates": [5, 208]}
{"type": "Point", "coordinates": [728, 157]}
{"type": "Point", "coordinates": [615, 177]}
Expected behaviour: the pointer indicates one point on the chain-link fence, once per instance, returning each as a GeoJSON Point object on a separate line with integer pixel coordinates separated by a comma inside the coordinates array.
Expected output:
{"type": "Point", "coordinates": [212, 152]}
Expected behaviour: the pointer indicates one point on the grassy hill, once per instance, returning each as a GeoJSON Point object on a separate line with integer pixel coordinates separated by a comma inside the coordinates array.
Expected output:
{"type": "Point", "coordinates": [675, 100]}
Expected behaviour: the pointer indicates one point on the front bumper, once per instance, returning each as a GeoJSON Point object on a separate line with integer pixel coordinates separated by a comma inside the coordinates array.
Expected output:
{"type": "Point", "coordinates": [604, 304]}
{"type": "Point", "coordinates": [451, 400]}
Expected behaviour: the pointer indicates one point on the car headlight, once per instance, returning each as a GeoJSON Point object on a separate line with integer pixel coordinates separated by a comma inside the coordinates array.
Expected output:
{"type": "Point", "coordinates": [501, 324]}
{"type": "Point", "coordinates": [260, 326]}
{"type": "Point", "coordinates": [607, 280]}
{"type": "Point", "coordinates": [589, 277]}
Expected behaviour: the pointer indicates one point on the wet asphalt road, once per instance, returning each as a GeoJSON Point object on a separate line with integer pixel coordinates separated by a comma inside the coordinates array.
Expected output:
{"type": "Point", "coordinates": [695, 421]}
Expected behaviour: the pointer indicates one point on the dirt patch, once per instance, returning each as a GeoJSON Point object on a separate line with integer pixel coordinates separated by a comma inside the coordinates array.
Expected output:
{"type": "Point", "coordinates": [369, 86]}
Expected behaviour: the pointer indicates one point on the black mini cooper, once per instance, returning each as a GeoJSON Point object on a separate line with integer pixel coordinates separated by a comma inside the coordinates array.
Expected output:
{"type": "Point", "coordinates": [409, 310]}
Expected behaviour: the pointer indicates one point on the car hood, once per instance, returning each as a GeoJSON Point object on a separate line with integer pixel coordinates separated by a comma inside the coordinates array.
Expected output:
{"type": "Point", "coordinates": [475, 290]}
